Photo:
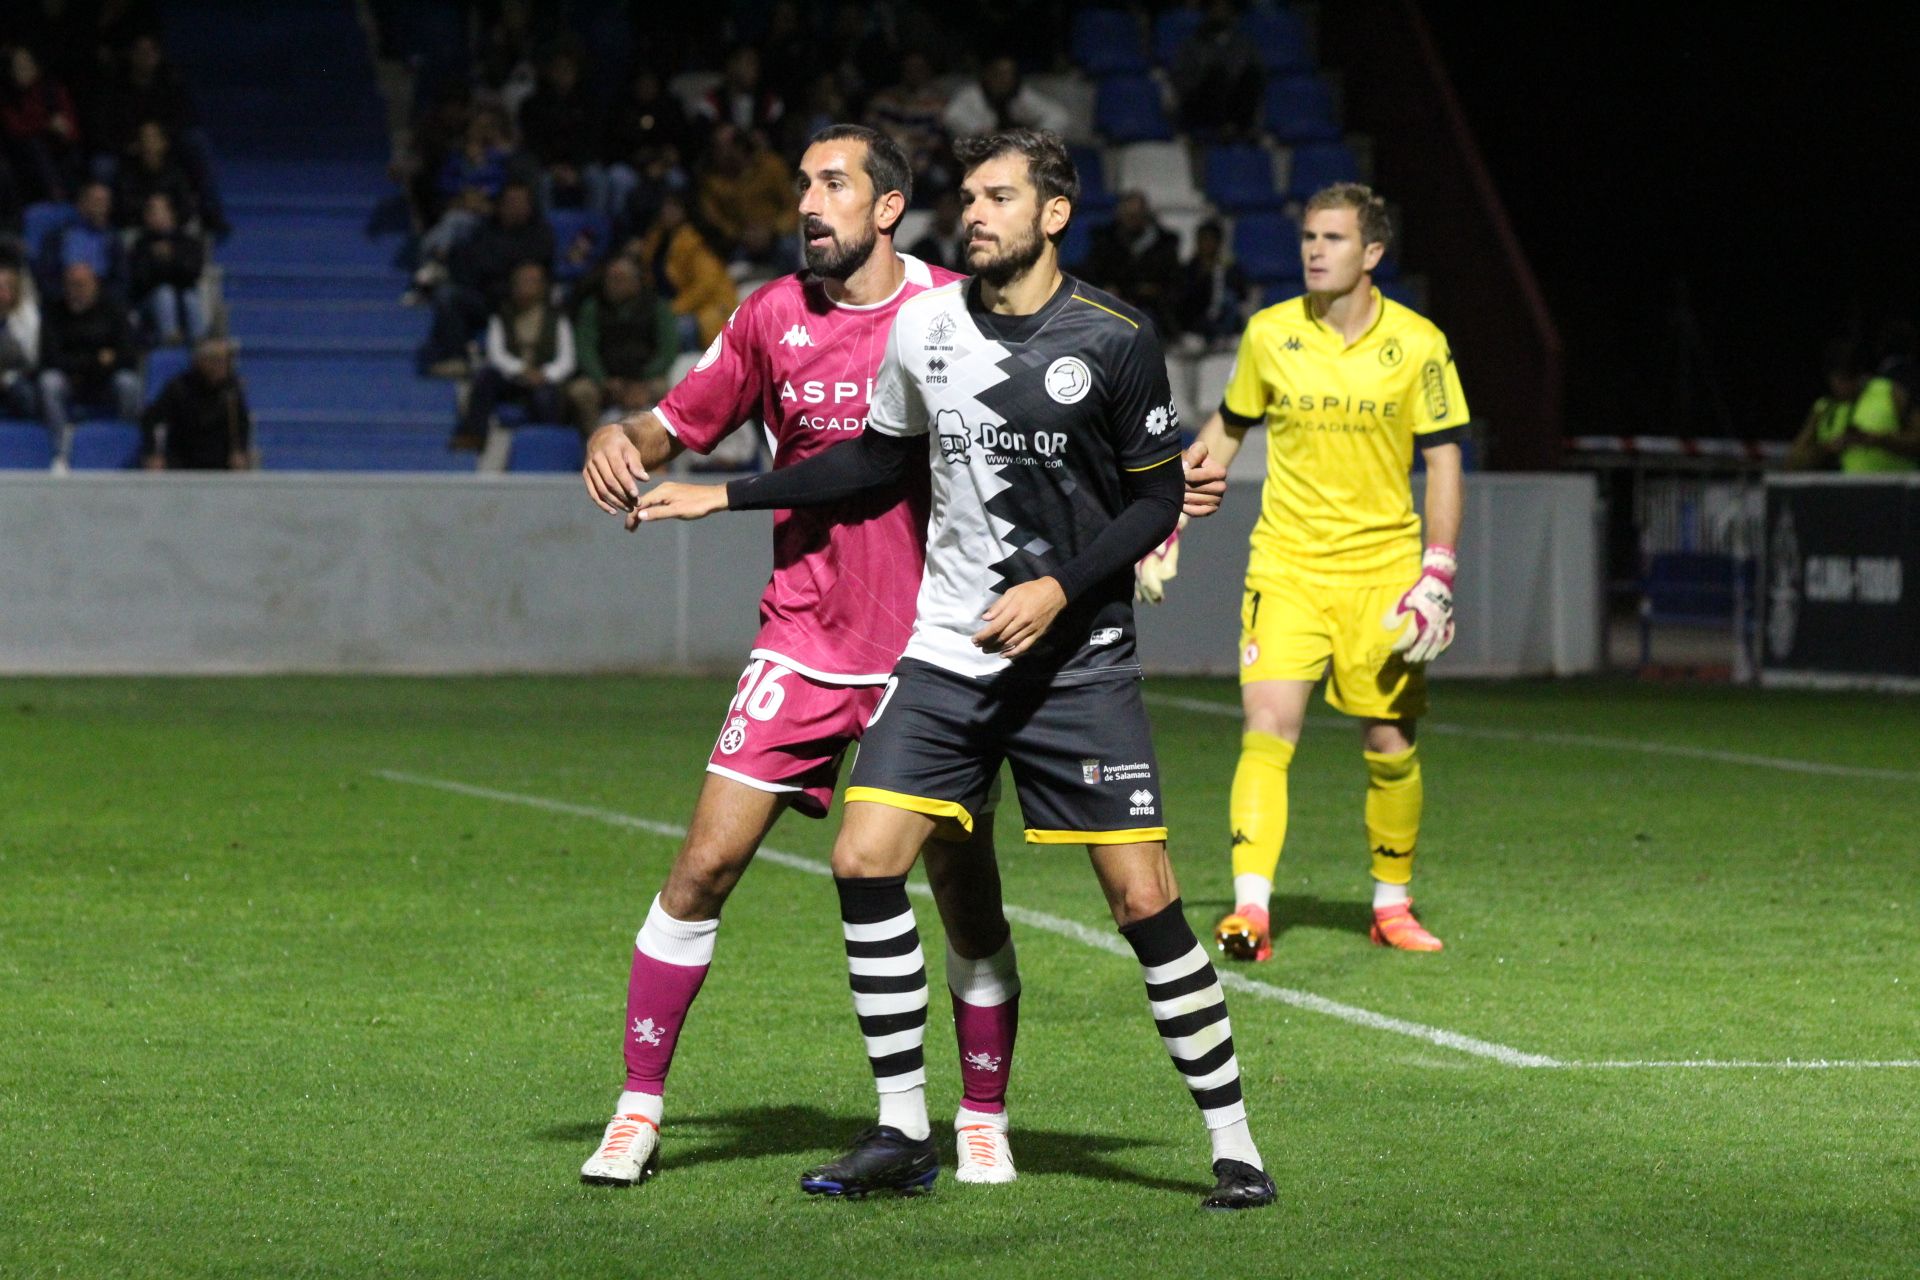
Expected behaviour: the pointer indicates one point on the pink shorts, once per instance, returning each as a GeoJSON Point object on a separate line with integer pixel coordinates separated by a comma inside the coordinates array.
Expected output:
{"type": "Point", "coordinates": [786, 733]}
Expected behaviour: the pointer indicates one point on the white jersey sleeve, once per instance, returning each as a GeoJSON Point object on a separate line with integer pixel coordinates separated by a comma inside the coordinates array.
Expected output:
{"type": "Point", "coordinates": [896, 408]}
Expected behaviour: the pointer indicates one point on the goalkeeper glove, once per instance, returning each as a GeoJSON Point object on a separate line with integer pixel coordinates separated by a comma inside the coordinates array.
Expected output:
{"type": "Point", "coordinates": [1424, 615]}
{"type": "Point", "coordinates": [1151, 575]}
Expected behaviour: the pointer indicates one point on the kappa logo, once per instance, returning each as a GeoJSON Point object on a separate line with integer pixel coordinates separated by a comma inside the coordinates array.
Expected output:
{"type": "Point", "coordinates": [796, 337]}
{"type": "Point", "coordinates": [1381, 851]}
{"type": "Point", "coordinates": [983, 1062]}
{"type": "Point", "coordinates": [734, 737]}
{"type": "Point", "coordinates": [1069, 380]}
{"type": "Point", "coordinates": [1294, 344]}
{"type": "Point", "coordinates": [645, 1032]}
{"type": "Point", "coordinates": [1239, 838]}
{"type": "Point", "coordinates": [1090, 772]}
{"type": "Point", "coordinates": [941, 329]}
{"type": "Point", "coordinates": [1142, 801]}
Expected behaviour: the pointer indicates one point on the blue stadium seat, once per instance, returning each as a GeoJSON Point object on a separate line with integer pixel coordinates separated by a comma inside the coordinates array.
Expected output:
{"type": "Point", "coordinates": [40, 221]}
{"type": "Point", "coordinates": [1318, 164]}
{"type": "Point", "coordinates": [25, 446]}
{"type": "Point", "coordinates": [1239, 178]}
{"type": "Point", "coordinates": [546, 448]}
{"type": "Point", "coordinates": [1299, 108]}
{"type": "Point", "coordinates": [104, 446]}
{"type": "Point", "coordinates": [1171, 30]}
{"type": "Point", "coordinates": [1267, 247]}
{"type": "Point", "coordinates": [1281, 37]}
{"type": "Point", "coordinates": [1095, 195]}
{"type": "Point", "coordinates": [162, 364]}
{"type": "Point", "coordinates": [1128, 109]}
{"type": "Point", "coordinates": [1107, 42]}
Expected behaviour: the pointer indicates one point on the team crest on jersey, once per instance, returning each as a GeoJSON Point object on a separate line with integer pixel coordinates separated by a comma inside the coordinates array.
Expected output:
{"type": "Point", "coordinates": [712, 352]}
{"type": "Point", "coordinates": [1252, 654]}
{"type": "Point", "coordinates": [734, 737]}
{"type": "Point", "coordinates": [1069, 380]}
{"type": "Point", "coordinates": [1090, 772]}
{"type": "Point", "coordinates": [1391, 355]}
{"type": "Point", "coordinates": [940, 331]}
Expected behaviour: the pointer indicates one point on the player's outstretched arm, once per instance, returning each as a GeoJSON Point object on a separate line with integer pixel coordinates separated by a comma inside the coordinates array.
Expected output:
{"type": "Point", "coordinates": [620, 457]}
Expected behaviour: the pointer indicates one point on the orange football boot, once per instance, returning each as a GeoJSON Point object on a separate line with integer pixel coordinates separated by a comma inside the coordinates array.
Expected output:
{"type": "Point", "coordinates": [1244, 935]}
{"type": "Point", "coordinates": [1396, 927]}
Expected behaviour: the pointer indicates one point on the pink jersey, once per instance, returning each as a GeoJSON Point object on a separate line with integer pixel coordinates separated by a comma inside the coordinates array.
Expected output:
{"type": "Point", "coordinates": [840, 604]}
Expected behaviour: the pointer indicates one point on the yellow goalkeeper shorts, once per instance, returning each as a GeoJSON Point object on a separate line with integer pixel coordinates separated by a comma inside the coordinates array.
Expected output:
{"type": "Point", "coordinates": [1297, 630]}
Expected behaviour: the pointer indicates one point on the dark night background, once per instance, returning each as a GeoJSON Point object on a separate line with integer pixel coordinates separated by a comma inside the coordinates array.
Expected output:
{"type": "Point", "coordinates": [1761, 160]}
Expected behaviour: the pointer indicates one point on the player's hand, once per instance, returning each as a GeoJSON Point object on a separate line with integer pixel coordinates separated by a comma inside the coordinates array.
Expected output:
{"type": "Point", "coordinates": [613, 472]}
{"type": "Point", "coordinates": [1206, 482]}
{"type": "Point", "coordinates": [1157, 568]}
{"type": "Point", "coordinates": [1019, 618]}
{"type": "Point", "coordinates": [676, 501]}
{"type": "Point", "coordinates": [1424, 615]}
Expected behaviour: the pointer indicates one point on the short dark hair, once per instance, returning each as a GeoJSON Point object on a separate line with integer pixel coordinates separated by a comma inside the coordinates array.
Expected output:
{"type": "Point", "coordinates": [1048, 164]}
{"type": "Point", "coordinates": [1376, 224]}
{"type": "Point", "coordinates": [886, 164]}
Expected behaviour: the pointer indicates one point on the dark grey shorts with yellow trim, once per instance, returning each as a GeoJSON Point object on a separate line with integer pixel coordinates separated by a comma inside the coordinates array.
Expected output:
{"type": "Point", "coordinates": [1081, 754]}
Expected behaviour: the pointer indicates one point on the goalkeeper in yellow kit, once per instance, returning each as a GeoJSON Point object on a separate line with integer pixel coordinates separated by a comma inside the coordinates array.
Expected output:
{"type": "Point", "coordinates": [1348, 384]}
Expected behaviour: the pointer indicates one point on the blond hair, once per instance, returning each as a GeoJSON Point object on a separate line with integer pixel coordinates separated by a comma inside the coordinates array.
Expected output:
{"type": "Point", "coordinates": [1376, 225]}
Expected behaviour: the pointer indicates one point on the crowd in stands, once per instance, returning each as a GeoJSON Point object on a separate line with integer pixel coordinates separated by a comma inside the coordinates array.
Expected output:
{"type": "Point", "coordinates": [1869, 419]}
{"type": "Point", "coordinates": [108, 202]}
{"type": "Point", "coordinates": [624, 180]}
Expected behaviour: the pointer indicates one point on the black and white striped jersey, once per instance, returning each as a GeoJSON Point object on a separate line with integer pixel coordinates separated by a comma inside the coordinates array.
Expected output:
{"type": "Point", "coordinates": [1031, 424]}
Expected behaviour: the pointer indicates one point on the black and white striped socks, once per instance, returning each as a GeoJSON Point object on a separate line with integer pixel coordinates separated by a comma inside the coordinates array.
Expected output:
{"type": "Point", "coordinates": [1190, 1011]}
{"type": "Point", "coordinates": [888, 976]}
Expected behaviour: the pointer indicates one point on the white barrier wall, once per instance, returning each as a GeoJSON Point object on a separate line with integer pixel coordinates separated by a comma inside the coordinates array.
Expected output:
{"type": "Point", "coordinates": [124, 573]}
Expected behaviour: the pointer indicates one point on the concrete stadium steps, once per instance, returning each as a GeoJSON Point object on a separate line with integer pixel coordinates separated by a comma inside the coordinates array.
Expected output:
{"type": "Point", "coordinates": [327, 440]}
{"type": "Point", "coordinates": [274, 323]}
{"type": "Point", "coordinates": [313, 284]}
{"type": "Point", "coordinates": [324, 383]}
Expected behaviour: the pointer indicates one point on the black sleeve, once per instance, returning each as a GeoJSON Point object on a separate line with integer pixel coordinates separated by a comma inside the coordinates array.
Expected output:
{"type": "Point", "coordinates": [872, 460]}
{"type": "Point", "coordinates": [158, 414]}
{"type": "Point", "coordinates": [1154, 498]}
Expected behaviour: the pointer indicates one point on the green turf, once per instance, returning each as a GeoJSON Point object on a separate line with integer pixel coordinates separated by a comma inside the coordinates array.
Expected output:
{"type": "Point", "coordinates": [266, 1013]}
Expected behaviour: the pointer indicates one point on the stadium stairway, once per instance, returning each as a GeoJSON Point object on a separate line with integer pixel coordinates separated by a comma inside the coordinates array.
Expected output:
{"type": "Point", "coordinates": [299, 135]}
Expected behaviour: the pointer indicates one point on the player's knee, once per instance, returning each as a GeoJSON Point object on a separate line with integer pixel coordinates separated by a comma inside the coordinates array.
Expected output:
{"type": "Point", "coordinates": [1138, 899]}
{"type": "Point", "coordinates": [699, 883]}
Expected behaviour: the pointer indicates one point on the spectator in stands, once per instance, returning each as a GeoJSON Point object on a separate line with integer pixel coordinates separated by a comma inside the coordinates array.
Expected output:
{"type": "Point", "coordinates": [149, 88]}
{"type": "Point", "coordinates": [1000, 100]}
{"type": "Point", "coordinates": [1212, 299]}
{"type": "Point", "coordinates": [471, 180]}
{"type": "Point", "coordinates": [1138, 259]}
{"type": "Point", "coordinates": [560, 126]}
{"type": "Point", "coordinates": [438, 131]}
{"type": "Point", "coordinates": [1217, 77]}
{"type": "Point", "coordinates": [688, 273]}
{"type": "Point", "coordinates": [747, 201]}
{"type": "Point", "coordinates": [164, 269]}
{"type": "Point", "coordinates": [86, 355]}
{"type": "Point", "coordinates": [19, 345]}
{"type": "Point", "coordinates": [1865, 422]}
{"type": "Point", "coordinates": [910, 112]}
{"type": "Point", "coordinates": [477, 276]}
{"type": "Point", "coordinates": [150, 170]}
{"type": "Point", "coordinates": [12, 207]}
{"type": "Point", "coordinates": [945, 244]}
{"type": "Point", "coordinates": [42, 132]}
{"type": "Point", "coordinates": [627, 339]}
{"type": "Point", "coordinates": [529, 357]}
{"type": "Point", "coordinates": [91, 239]}
{"type": "Point", "coordinates": [643, 125]}
{"type": "Point", "coordinates": [740, 100]}
{"type": "Point", "coordinates": [200, 420]}
{"type": "Point", "coordinates": [788, 52]}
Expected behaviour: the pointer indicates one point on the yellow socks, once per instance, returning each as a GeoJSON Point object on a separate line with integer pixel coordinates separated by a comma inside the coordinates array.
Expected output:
{"type": "Point", "coordinates": [1258, 807]}
{"type": "Point", "coordinates": [1394, 796]}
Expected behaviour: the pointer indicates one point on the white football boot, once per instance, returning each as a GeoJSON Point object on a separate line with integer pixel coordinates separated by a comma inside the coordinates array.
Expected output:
{"type": "Point", "coordinates": [629, 1153]}
{"type": "Point", "coordinates": [981, 1147]}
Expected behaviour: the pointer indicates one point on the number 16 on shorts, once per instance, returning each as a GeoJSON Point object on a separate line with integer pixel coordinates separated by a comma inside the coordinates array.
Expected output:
{"type": "Point", "coordinates": [759, 696]}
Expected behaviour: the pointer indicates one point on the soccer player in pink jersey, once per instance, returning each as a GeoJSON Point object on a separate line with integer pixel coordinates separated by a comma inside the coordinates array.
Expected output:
{"type": "Point", "coordinates": [801, 354]}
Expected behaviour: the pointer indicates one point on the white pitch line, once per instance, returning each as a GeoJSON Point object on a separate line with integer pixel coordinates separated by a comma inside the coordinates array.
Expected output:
{"type": "Point", "coordinates": [1786, 764]}
{"type": "Point", "coordinates": [1102, 940]}
{"type": "Point", "coordinates": [1105, 941]}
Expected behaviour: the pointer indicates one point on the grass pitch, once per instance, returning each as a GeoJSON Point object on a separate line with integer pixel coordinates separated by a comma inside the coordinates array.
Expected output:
{"type": "Point", "coordinates": [265, 1011]}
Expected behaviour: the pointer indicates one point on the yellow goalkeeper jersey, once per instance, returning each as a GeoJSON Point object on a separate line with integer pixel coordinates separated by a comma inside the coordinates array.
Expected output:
{"type": "Point", "coordinates": [1341, 424]}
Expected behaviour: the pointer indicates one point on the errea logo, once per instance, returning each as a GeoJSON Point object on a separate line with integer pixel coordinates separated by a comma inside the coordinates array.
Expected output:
{"type": "Point", "coordinates": [796, 337]}
{"type": "Point", "coordinates": [1142, 804]}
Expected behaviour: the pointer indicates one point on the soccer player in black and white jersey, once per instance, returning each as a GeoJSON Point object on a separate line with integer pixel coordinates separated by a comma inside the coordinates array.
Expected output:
{"type": "Point", "coordinates": [1042, 407]}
